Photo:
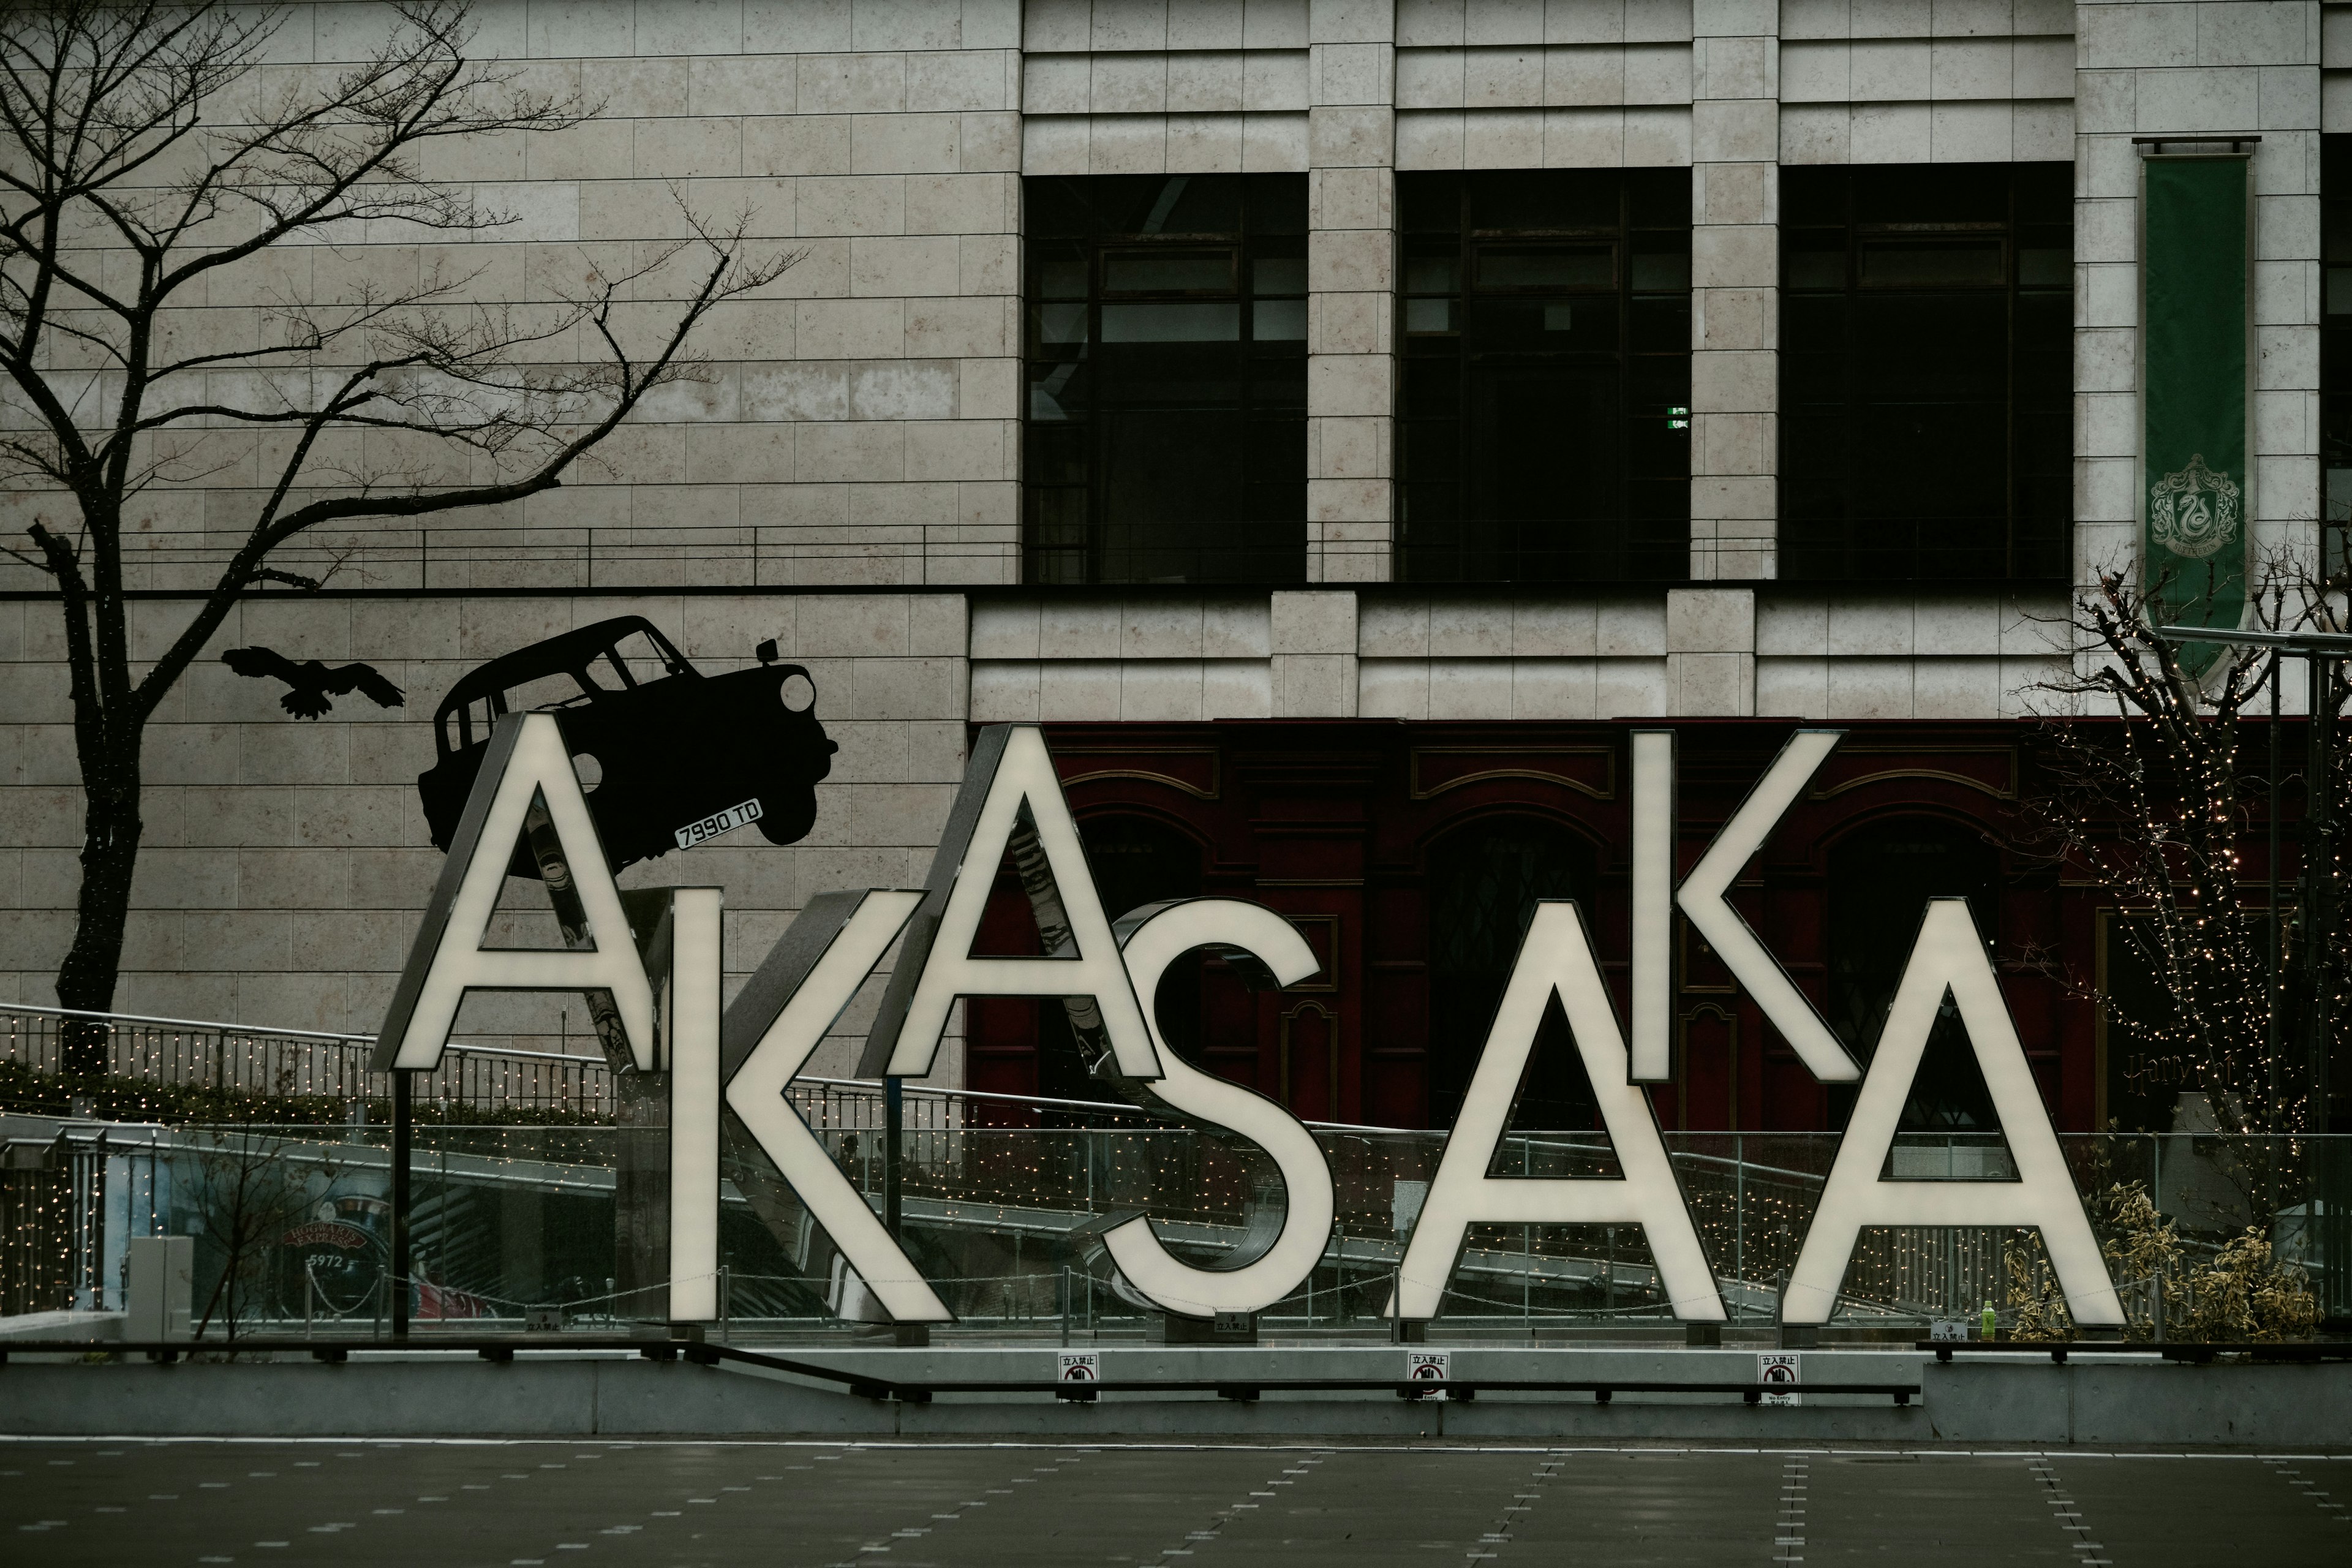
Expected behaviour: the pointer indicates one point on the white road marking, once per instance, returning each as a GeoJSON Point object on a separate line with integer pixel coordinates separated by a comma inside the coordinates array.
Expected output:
{"type": "Point", "coordinates": [2089, 1553]}
{"type": "Point", "coordinates": [1789, 1529]}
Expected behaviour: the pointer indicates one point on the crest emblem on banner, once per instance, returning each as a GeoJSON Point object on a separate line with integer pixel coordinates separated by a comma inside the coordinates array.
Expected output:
{"type": "Point", "coordinates": [2193, 512]}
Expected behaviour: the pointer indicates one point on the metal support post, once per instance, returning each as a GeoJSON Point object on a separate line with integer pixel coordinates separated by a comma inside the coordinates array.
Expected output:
{"type": "Point", "coordinates": [894, 1126]}
{"type": "Point", "coordinates": [1739, 1207]}
{"type": "Point", "coordinates": [2277, 932]}
{"type": "Point", "coordinates": [2317, 864]}
{"type": "Point", "coordinates": [403, 1091]}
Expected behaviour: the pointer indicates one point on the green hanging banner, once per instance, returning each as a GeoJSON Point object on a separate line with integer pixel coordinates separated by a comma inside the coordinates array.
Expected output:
{"type": "Point", "coordinates": [2197, 476]}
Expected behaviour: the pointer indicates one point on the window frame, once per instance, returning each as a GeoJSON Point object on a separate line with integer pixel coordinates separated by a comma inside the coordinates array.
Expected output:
{"type": "Point", "coordinates": [1805, 552]}
{"type": "Point", "coordinates": [1438, 472]}
{"type": "Point", "coordinates": [1269, 387]}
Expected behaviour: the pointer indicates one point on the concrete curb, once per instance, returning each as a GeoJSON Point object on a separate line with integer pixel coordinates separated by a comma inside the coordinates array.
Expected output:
{"type": "Point", "coordinates": [2024, 1400]}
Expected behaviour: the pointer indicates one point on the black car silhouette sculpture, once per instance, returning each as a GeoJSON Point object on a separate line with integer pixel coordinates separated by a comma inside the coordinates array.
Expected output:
{"type": "Point", "coordinates": [668, 759]}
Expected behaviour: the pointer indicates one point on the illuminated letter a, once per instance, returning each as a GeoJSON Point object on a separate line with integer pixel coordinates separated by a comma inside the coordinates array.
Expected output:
{"type": "Point", "coordinates": [525, 761]}
{"type": "Point", "coordinates": [1949, 958]}
{"type": "Point", "coordinates": [1009, 770]}
{"type": "Point", "coordinates": [1556, 955]}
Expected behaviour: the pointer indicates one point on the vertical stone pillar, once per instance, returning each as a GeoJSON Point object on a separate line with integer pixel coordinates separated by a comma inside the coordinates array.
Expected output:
{"type": "Point", "coordinates": [2291, 493]}
{"type": "Point", "coordinates": [1711, 653]}
{"type": "Point", "coordinates": [1314, 646]}
{"type": "Point", "coordinates": [1350, 279]}
{"type": "Point", "coordinates": [1735, 287]}
{"type": "Point", "coordinates": [2184, 70]}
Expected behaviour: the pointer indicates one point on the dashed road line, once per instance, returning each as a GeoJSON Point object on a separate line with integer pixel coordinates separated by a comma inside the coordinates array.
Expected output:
{"type": "Point", "coordinates": [2067, 1516]}
{"type": "Point", "coordinates": [1789, 1528]}
{"type": "Point", "coordinates": [874, 1548]}
{"type": "Point", "coordinates": [2310, 1489]}
{"type": "Point", "coordinates": [1194, 1540]}
{"type": "Point", "coordinates": [1490, 1545]}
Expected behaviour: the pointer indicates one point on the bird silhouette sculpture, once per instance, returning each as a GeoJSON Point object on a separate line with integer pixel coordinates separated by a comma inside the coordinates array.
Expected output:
{"type": "Point", "coordinates": [312, 682]}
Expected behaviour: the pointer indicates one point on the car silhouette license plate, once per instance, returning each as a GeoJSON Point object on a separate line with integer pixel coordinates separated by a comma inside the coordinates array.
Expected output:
{"type": "Point", "coordinates": [711, 827]}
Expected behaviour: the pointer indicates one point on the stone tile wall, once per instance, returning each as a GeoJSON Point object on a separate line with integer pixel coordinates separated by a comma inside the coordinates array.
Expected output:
{"type": "Point", "coordinates": [1351, 367]}
{"type": "Point", "coordinates": [286, 863]}
{"type": "Point", "coordinates": [852, 458]}
{"type": "Point", "coordinates": [1735, 295]}
{"type": "Point", "coordinates": [860, 424]}
{"type": "Point", "coordinates": [1931, 81]}
{"type": "Point", "coordinates": [1522, 84]}
{"type": "Point", "coordinates": [1143, 86]}
{"type": "Point", "coordinates": [1434, 657]}
{"type": "Point", "coordinates": [859, 420]}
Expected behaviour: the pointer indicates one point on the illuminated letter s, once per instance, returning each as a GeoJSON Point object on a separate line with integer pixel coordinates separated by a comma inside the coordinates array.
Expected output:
{"type": "Point", "coordinates": [1239, 1284]}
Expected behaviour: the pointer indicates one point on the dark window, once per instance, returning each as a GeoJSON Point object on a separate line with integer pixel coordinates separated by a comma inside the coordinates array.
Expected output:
{"type": "Point", "coordinates": [1881, 878]}
{"type": "Point", "coordinates": [2149, 1062]}
{"type": "Point", "coordinates": [1544, 428]}
{"type": "Point", "coordinates": [2335, 342]}
{"type": "Point", "coordinates": [1485, 881]}
{"type": "Point", "coordinates": [1166, 353]}
{"type": "Point", "coordinates": [1927, 360]}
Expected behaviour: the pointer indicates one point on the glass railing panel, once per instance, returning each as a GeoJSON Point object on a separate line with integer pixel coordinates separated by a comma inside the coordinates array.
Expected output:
{"type": "Point", "coordinates": [292, 1224]}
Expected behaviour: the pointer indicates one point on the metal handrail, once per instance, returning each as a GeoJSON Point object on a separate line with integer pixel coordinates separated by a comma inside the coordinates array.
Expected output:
{"type": "Point", "coordinates": [1122, 1107]}
{"type": "Point", "coordinates": [269, 1063]}
{"type": "Point", "coordinates": [597, 1063]}
{"type": "Point", "coordinates": [273, 1031]}
{"type": "Point", "coordinates": [2198, 1351]}
{"type": "Point", "coordinates": [186, 1023]}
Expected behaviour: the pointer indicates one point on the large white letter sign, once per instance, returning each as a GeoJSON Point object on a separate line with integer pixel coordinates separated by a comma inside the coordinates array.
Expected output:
{"type": "Point", "coordinates": [1653, 1058]}
{"type": "Point", "coordinates": [1556, 955]}
{"type": "Point", "coordinates": [1240, 1284]}
{"type": "Point", "coordinates": [1950, 958]}
{"type": "Point", "coordinates": [525, 761]}
{"type": "Point", "coordinates": [772, 1027]}
{"type": "Point", "coordinates": [1702, 898]}
{"type": "Point", "coordinates": [1009, 768]}
{"type": "Point", "coordinates": [690, 1027]}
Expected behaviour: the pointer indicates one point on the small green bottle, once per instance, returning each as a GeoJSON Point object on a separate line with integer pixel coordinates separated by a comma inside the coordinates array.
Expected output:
{"type": "Point", "coordinates": [1991, 1322]}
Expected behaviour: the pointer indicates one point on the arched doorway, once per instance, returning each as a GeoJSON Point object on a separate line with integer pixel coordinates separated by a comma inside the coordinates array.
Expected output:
{"type": "Point", "coordinates": [1484, 882]}
{"type": "Point", "coordinates": [1138, 860]}
{"type": "Point", "coordinates": [1021, 1046]}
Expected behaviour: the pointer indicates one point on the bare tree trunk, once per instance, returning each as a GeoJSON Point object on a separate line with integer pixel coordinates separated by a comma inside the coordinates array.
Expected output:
{"type": "Point", "coordinates": [109, 857]}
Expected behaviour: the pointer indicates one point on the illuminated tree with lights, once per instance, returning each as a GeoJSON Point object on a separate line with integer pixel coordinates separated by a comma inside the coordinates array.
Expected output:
{"type": "Point", "coordinates": [2160, 808]}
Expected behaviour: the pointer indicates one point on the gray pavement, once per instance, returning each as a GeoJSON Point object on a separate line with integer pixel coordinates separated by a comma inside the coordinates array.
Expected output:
{"type": "Point", "coordinates": [532, 1504]}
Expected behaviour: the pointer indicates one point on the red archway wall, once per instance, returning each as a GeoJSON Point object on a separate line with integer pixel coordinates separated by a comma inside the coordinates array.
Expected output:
{"type": "Point", "coordinates": [1332, 823]}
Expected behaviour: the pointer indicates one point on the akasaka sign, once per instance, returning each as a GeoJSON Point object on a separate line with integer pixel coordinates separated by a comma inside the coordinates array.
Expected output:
{"type": "Point", "coordinates": [665, 1000]}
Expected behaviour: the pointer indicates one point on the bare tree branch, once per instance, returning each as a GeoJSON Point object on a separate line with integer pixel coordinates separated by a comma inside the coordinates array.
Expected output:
{"type": "Point", "coordinates": [2144, 790]}
{"type": "Point", "coordinates": [143, 153]}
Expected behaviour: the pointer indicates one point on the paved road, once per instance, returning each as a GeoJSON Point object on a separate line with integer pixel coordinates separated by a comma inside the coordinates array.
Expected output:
{"type": "Point", "coordinates": [804, 1505]}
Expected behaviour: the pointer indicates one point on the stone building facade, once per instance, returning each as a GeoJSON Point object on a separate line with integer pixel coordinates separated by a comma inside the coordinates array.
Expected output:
{"type": "Point", "coordinates": [849, 479]}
